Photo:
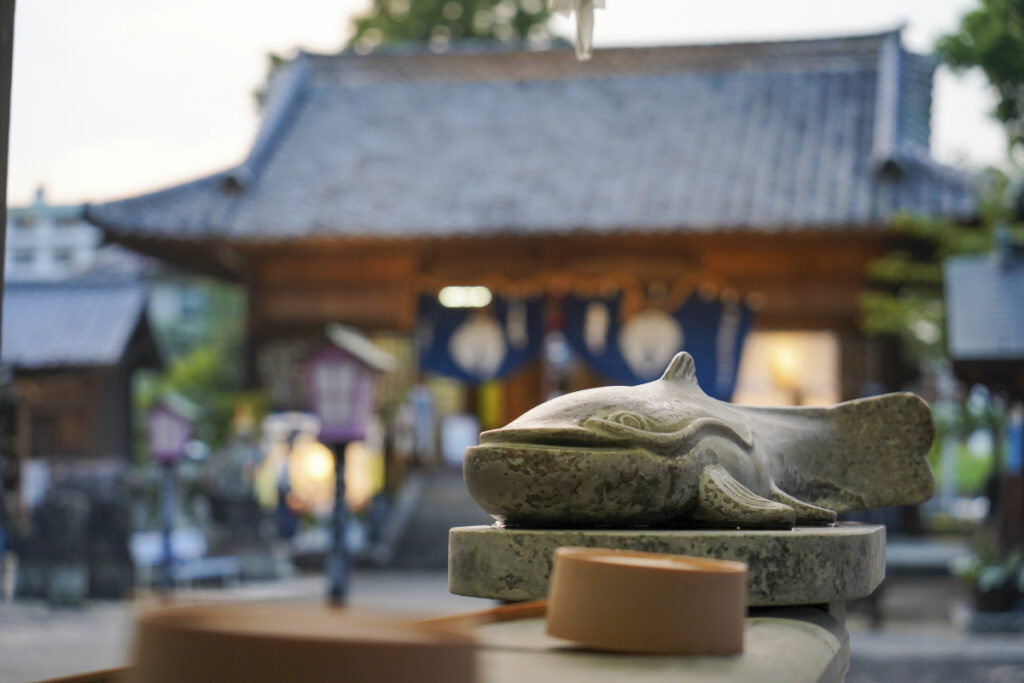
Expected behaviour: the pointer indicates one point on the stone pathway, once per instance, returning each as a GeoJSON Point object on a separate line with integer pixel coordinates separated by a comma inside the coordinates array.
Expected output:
{"type": "Point", "coordinates": [927, 655]}
{"type": "Point", "coordinates": [37, 642]}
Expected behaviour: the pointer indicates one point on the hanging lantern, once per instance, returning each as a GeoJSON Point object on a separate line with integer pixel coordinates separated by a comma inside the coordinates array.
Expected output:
{"type": "Point", "coordinates": [169, 428]}
{"type": "Point", "coordinates": [342, 380]}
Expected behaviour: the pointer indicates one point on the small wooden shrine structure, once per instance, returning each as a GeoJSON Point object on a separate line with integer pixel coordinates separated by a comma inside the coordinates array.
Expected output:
{"type": "Point", "coordinates": [69, 351]}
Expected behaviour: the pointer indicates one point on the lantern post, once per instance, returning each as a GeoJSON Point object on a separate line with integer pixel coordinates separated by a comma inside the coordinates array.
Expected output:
{"type": "Point", "coordinates": [169, 427]}
{"type": "Point", "coordinates": [342, 376]}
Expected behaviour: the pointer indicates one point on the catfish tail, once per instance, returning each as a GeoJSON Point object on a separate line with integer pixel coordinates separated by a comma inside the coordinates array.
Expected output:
{"type": "Point", "coordinates": [862, 454]}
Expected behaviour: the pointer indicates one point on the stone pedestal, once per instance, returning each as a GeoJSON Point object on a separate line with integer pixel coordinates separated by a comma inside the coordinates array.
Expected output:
{"type": "Point", "coordinates": [781, 645]}
{"type": "Point", "coordinates": [800, 566]}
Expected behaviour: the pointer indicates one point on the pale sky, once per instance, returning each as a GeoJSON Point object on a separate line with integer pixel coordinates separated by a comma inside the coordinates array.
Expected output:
{"type": "Point", "coordinates": [116, 97]}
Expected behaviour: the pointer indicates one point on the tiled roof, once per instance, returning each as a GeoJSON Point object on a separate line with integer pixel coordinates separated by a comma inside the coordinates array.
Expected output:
{"type": "Point", "coordinates": [821, 134]}
{"type": "Point", "coordinates": [985, 306]}
{"type": "Point", "coordinates": [69, 324]}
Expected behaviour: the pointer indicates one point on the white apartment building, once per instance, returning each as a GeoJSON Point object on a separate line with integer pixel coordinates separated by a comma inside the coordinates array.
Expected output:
{"type": "Point", "coordinates": [48, 242]}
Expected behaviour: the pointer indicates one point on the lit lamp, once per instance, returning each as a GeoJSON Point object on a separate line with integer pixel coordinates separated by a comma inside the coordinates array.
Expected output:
{"type": "Point", "coordinates": [311, 475]}
{"type": "Point", "coordinates": [169, 428]}
{"type": "Point", "coordinates": [342, 378]}
{"type": "Point", "coordinates": [785, 368]}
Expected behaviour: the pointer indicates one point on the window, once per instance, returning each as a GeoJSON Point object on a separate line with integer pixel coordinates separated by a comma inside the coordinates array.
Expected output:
{"type": "Point", "coordinates": [24, 257]}
{"type": "Point", "coordinates": [65, 432]}
{"type": "Point", "coordinates": [63, 255]}
{"type": "Point", "coordinates": [66, 221]}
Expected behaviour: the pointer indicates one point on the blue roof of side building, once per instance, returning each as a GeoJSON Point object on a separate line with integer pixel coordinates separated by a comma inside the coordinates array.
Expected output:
{"type": "Point", "coordinates": [826, 134]}
{"type": "Point", "coordinates": [985, 305]}
{"type": "Point", "coordinates": [69, 324]}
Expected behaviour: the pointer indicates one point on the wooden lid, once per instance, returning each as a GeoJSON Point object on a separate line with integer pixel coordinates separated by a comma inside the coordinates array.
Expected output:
{"type": "Point", "coordinates": [255, 643]}
{"type": "Point", "coordinates": [628, 601]}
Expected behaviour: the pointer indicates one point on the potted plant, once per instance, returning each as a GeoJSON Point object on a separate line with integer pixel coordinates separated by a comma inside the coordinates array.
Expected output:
{"type": "Point", "coordinates": [996, 577]}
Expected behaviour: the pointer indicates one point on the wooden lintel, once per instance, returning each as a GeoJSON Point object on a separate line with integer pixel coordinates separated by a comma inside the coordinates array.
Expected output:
{"type": "Point", "coordinates": [300, 269]}
{"type": "Point", "coordinates": [377, 308]}
{"type": "Point", "coordinates": [805, 280]}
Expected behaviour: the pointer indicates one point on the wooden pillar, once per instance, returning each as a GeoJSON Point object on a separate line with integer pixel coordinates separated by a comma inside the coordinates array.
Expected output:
{"type": "Point", "coordinates": [1011, 512]}
{"type": "Point", "coordinates": [522, 391]}
{"type": "Point", "coordinates": [253, 326]}
{"type": "Point", "coordinates": [24, 430]}
{"type": "Point", "coordinates": [6, 56]}
{"type": "Point", "coordinates": [6, 60]}
{"type": "Point", "coordinates": [853, 364]}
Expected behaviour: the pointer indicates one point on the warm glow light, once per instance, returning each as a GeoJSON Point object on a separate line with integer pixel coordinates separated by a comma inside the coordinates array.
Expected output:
{"type": "Point", "coordinates": [785, 366]}
{"type": "Point", "coordinates": [308, 466]}
{"type": "Point", "coordinates": [318, 465]}
{"type": "Point", "coordinates": [311, 475]}
{"type": "Point", "coordinates": [464, 297]}
{"type": "Point", "coordinates": [364, 474]}
{"type": "Point", "coordinates": [790, 367]}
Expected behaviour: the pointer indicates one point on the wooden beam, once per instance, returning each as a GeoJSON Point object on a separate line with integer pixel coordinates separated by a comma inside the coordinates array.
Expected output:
{"type": "Point", "coordinates": [807, 280]}
{"type": "Point", "coordinates": [370, 308]}
{"type": "Point", "coordinates": [301, 268]}
{"type": "Point", "coordinates": [6, 60]}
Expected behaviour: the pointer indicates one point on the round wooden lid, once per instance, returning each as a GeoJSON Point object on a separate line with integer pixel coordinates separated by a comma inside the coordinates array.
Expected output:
{"type": "Point", "coordinates": [627, 601]}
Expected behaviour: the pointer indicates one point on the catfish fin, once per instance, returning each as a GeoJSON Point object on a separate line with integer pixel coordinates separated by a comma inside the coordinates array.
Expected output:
{"type": "Point", "coordinates": [805, 512]}
{"type": "Point", "coordinates": [724, 502]}
{"type": "Point", "coordinates": [681, 368]}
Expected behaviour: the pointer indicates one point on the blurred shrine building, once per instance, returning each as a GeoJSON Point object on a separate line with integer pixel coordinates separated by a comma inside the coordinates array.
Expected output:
{"type": "Point", "coordinates": [70, 348]}
{"type": "Point", "coordinates": [616, 211]}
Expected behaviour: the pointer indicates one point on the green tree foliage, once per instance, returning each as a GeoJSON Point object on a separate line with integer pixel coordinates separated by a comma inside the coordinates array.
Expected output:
{"type": "Point", "coordinates": [437, 23]}
{"type": "Point", "coordinates": [275, 63]}
{"type": "Point", "coordinates": [204, 356]}
{"type": "Point", "coordinates": [992, 38]}
{"type": "Point", "coordinates": [440, 21]}
{"type": "Point", "coordinates": [906, 299]}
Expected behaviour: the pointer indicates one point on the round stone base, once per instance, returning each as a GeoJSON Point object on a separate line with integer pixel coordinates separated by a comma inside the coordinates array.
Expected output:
{"type": "Point", "coordinates": [800, 566]}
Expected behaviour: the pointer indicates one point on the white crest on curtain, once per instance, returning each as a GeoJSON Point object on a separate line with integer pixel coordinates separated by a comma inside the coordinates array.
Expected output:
{"type": "Point", "coordinates": [596, 322]}
{"type": "Point", "coordinates": [584, 22]}
{"type": "Point", "coordinates": [649, 340]}
{"type": "Point", "coordinates": [478, 346]}
{"type": "Point", "coordinates": [515, 322]}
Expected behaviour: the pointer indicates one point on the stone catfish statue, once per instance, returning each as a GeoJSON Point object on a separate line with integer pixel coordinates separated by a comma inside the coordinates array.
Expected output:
{"type": "Point", "coordinates": [667, 454]}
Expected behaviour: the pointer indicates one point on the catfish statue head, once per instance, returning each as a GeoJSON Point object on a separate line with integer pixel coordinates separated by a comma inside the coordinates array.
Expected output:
{"type": "Point", "coordinates": [668, 419]}
{"type": "Point", "coordinates": [662, 453]}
